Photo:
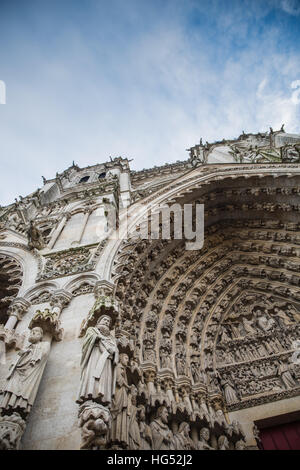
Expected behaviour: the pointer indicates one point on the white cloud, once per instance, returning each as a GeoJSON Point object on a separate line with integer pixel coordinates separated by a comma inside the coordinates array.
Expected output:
{"type": "Point", "coordinates": [291, 6]}
{"type": "Point", "coordinates": [149, 97]}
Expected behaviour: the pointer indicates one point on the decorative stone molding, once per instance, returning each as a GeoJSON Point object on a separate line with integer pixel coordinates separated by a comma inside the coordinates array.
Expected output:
{"type": "Point", "coordinates": [94, 422]}
{"type": "Point", "coordinates": [11, 430]}
{"type": "Point", "coordinates": [63, 263]}
{"type": "Point", "coordinates": [71, 261]}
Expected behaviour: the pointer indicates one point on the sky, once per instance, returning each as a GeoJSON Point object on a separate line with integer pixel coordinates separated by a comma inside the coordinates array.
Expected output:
{"type": "Point", "coordinates": [144, 79]}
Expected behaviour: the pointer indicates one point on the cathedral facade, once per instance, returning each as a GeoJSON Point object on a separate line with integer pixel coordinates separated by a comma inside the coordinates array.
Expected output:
{"type": "Point", "coordinates": [115, 337]}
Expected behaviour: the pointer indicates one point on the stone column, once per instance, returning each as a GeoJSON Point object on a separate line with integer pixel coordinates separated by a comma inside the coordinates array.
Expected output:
{"type": "Point", "coordinates": [16, 312]}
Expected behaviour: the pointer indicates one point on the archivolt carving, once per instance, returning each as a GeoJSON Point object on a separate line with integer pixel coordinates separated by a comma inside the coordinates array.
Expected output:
{"type": "Point", "coordinates": [176, 305]}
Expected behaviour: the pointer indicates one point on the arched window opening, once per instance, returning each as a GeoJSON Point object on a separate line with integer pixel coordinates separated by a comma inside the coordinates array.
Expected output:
{"type": "Point", "coordinates": [102, 175]}
{"type": "Point", "coordinates": [84, 179]}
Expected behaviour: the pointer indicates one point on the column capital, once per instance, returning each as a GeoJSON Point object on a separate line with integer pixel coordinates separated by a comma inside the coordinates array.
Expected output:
{"type": "Point", "coordinates": [18, 307]}
{"type": "Point", "coordinates": [60, 299]}
{"type": "Point", "coordinates": [104, 288]}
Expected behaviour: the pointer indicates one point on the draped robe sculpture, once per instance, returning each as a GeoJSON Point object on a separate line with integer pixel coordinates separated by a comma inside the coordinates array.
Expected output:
{"type": "Point", "coordinates": [98, 364]}
{"type": "Point", "coordinates": [162, 436]}
{"type": "Point", "coordinates": [182, 438]}
{"type": "Point", "coordinates": [121, 408]}
{"type": "Point", "coordinates": [25, 374]}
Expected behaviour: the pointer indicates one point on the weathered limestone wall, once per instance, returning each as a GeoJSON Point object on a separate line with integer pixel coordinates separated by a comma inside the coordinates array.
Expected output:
{"type": "Point", "coordinates": [52, 423]}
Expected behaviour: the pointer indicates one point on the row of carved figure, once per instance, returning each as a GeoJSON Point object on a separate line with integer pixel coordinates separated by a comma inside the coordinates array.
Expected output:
{"type": "Point", "coordinates": [166, 264]}
{"type": "Point", "coordinates": [260, 321]}
{"type": "Point", "coordinates": [111, 412]}
{"type": "Point", "coordinates": [105, 388]}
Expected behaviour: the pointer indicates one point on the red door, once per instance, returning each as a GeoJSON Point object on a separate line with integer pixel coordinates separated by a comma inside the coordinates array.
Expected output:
{"type": "Point", "coordinates": [281, 437]}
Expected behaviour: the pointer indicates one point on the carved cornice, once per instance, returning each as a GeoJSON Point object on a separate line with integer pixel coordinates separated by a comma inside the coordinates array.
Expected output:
{"type": "Point", "coordinates": [11, 429]}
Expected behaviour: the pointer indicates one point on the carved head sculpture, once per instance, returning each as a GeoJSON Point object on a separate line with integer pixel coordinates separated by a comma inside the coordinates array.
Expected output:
{"type": "Point", "coordinates": [223, 443]}
{"type": "Point", "coordinates": [124, 359]}
{"type": "Point", "coordinates": [35, 335]}
{"type": "Point", "coordinates": [204, 434]}
{"type": "Point", "coordinates": [163, 414]}
{"type": "Point", "coordinates": [141, 413]}
{"type": "Point", "coordinates": [185, 428]}
{"type": "Point", "coordinates": [133, 392]}
{"type": "Point", "coordinates": [103, 324]}
{"type": "Point", "coordinates": [240, 445]}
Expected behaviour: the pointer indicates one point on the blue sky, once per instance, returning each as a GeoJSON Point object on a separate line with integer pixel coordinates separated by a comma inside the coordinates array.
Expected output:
{"type": "Point", "coordinates": [144, 79]}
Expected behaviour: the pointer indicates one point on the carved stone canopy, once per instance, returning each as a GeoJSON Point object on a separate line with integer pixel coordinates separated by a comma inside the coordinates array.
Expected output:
{"type": "Point", "coordinates": [105, 305]}
{"type": "Point", "coordinates": [49, 323]}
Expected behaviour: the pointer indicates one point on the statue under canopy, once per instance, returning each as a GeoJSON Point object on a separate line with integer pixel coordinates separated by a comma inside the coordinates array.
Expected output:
{"type": "Point", "coordinates": [98, 364]}
{"type": "Point", "coordinates": [121, 408]}
{"type": "Point", "coordinates": [25, 374]}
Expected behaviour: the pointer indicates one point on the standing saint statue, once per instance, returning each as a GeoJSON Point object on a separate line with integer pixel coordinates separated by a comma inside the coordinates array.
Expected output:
{"type": "Point", "coordinates": [229, 390]}
{"type": "Point", "coordinates": [285, 371]}
{"type": "Point", "coordinates": [98, 364]}
{"type": "Point", "coordinates": [182, 439]}
{"type": "Point", "coordinates": [25, 374]}
{"type": "Point", "coordinates": [121, 407]}
{"type": "Point", "coordinates": [162, 436]}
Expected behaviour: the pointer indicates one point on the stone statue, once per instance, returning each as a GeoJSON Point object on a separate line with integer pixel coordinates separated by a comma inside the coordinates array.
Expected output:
{"type": "Point", "coordinates": [284, 372]}
{"type": "Point", "coordinates": [121, 407]}
{"type": "Point", "coordinates": [293, 312]}
{"type": "Point", "coordinates": [145, 430]}
{"type": "Point", "coordinates": [248, 326]}
{"type": "Point", "coordinates": [98, 364]}
{"type": "Point", "coordinates": [135, 441]}
{"type": "Point", "coordinates": [229, 391]}
{"type": "Point", "coordinates": [282, 317]}
{"type": "Point", "coordinates": [162, 437]}
{"type": "Point", "coordinates": [182, 438]}
{"type": "Point", "coordinates": [264, 323]}
{"type": "Point", "coordinates": [240, 445]}
{"type": "Point", "coordinates": [204, 438]}
{"type": "Point", "coordinates": [25, 375]}
{"type": "Point", "coordinates": [223, 443]}
{"type": "Point", "coordinates": [35, 238]}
